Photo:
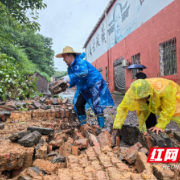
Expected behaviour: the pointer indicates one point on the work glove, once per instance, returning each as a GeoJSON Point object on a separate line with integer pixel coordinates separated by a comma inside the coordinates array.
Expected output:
{"type": "Point", "coordinates": [66, 79]}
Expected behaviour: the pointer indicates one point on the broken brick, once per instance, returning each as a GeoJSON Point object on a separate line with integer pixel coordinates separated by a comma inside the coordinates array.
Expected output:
{"type": "Point", "coordinates": [81, 143]}
{"type": "Point", "coordinates": [75, 150]}
{"type": "Point", "coordinates": [105, 139]}
{"type": "Point", "coordinates": [84, 128]}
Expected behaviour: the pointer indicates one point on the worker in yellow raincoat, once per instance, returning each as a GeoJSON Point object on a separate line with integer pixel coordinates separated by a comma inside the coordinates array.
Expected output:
{"type": "Point", "coordinates": [163, 98]}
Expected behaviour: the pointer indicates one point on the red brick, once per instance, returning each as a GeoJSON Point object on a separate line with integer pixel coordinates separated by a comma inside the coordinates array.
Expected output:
{"type": "Point", "coordinates": [84, 128]}
{"type": "Point", "coordinates": [49, 148]}
{"type": "Point", "coordinates": [90, 176]}
{"type": "Point", "coordinates": [143, 150]}
{"type": "Point", "coordinates": [105, 139]}
{"type": "Point", "coordinates": [114, 174]}
{"type": "Point", "coordinates": [100, 175]}
{"type": "Point", "coordinates": [78, 176]}
{"type": "Point", "coordinates": [49, 102]}
{"type": "Point", "coordinates": [117, 141]}
{"type": "Point", "coordinates": [105, 161]}
{"type": "Point", "coordinates": [62, 113]}
{"type": "Point", "coordinates": [72, 159]}
{"type": "Point", "coordinates": [75, 167]}
{"type": "Point", "coordinates": [123, 167]}
{"type": "Point", "coordinates": [77, 135]}
{"type": "Point", "coordinates": [81, 143]}
{"type": "Point", "coordinates": [64, 174]}
{"type": "Point", "coordinates": [161, 173]}
{"type": "Point", "coordinates": [64, 101]}
{"type": "Point", "coordinates": [131, 153]}
{"type": "Point", "coordinates": [88, 169]}
{"type": "Point", "coordinates": [83, 160]}
{"type": "Point", "coordinates": [141, 163]}
{"type": "Point", "coordinates": [96, 165]}
{"type": "Point", "coordinates": [57, 113]}
{"type": "Point", "coordinates": [56, 143]}
{"type": "Point", "coordinates": [36, 98]}
{"type": "Point", "coordinates": [97, 150]}
{"type": "Point", "coordinates": [70, 140]}
{"type": "Point", "coordinates": [67, 113]}
{"type": "Point", "coordinates": [65, 149]}
{"type": "Point", "coordinates": [75, 150]}
{"type": "Point", "coordinates": [59, 101]}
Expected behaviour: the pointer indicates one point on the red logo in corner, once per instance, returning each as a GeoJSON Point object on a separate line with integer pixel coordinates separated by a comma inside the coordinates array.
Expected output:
{"type": "Point", "coordinates": [163, 155]}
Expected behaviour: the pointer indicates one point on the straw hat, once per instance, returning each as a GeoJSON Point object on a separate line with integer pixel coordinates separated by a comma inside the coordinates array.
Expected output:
{"type": "Point", "coordinates": [66, 50]}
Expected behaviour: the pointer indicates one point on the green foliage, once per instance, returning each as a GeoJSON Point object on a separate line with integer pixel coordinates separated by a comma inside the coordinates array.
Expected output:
{"type": "Point", "coordinates": [23, 108]}
{"type": "Point", "coordinates": [39, 50]}
{"type": "Point", "coordinates": [22, 51]}
{"type": "Point", "coordinates": [60, 73]}
{"type": "Point", "coordinates": [40, 94]}
{"type": "Point", "coordinates": [14, 84]}
{"type": "Point", "coordinates": [19, 8]}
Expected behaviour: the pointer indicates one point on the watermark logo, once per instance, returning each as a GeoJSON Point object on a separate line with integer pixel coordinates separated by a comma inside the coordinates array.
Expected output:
{"type": "Point", "coordinates": [164, 155]}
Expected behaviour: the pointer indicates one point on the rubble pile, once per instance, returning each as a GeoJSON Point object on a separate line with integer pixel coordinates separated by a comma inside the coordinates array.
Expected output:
{"type": "Point", "coordinates": [40, 109]}
{"type": "Point", "coordinates": [48, 144]}
{"type": "Point", "coordinates": [87, 152]}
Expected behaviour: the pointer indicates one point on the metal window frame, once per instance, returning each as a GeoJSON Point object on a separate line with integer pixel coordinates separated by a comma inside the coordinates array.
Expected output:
{"type": "Point", "coordinates": [168, 57]}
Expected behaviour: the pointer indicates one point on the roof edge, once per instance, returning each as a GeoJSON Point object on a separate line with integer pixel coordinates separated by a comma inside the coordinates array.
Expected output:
{"type": "Point", "coordinates": [110, 4]}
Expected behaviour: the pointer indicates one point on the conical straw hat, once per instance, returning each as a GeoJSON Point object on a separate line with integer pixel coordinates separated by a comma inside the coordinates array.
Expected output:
{"type": "Point", "coordinates": [67, 50]}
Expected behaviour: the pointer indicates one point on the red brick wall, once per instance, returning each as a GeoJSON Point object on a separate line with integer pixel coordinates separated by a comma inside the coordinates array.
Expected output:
{"type": "Point", "coordinates": [145, 40]}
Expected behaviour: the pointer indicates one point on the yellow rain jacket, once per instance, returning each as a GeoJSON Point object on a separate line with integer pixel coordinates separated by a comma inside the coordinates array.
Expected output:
{"type": "Point", "coordinates": [164, 101]}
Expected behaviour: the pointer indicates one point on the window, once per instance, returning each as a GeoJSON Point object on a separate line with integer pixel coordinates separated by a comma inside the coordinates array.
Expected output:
{"type": "Point", "coordinates": [168, 64]}
{"type": "Point", "coordinates": [101, 71]}
{"type": "Point", "coordinates": [135, 60]}
{"type": "Point", "coordinates": [106, 74]}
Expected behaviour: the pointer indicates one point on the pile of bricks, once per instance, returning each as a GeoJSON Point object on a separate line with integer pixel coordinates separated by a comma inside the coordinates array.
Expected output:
{"type": "Point", "coordinates": [61, 115]}
{"type": "Point", "coordinates": [131, 135]}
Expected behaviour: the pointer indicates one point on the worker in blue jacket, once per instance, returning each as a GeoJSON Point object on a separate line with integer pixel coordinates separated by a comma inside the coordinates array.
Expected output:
{"type": "Point", "coordinates": [91, 87]}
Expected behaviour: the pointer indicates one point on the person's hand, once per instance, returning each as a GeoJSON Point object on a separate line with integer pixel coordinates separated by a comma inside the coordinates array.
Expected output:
{"type": "Point", "coordinates": [156, 129]}
{"type": "Point", "coordinates": [113, 136]}
{"type": "Point", "coordinates": [68, 84]}
{"type": "Point", "coordinates": [145, 133]}
{"type": "Point", "coordinates": [66, 79]}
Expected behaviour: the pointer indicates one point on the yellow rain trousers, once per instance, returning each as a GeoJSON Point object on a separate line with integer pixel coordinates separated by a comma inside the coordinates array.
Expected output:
{"type": "Point", "coordinates": [164, 101]}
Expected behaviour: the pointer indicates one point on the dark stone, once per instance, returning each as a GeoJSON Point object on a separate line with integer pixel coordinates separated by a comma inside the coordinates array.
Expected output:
{"type": "Point", "coordinates": [42, 99]}
{"type": "Point", "coordinates": [43, 131]}
{"type": "Point", "coordinates": [58, 159]}
{"type": "Point", "coordinates": [98, 131]}
{"type": "Point", "coordinates": [168, 131]}
{"type": "Point", "coordinates": [2, 103]}
{"type": "Point", "coordinates": [30, 139]}
{"type": "Point", "coordinates": [7, 113]}
{"type": "Point", "coordinates": [1, 126]}
{"type": "Point", "coordinates": [129, 134]}
{"type": "Point", "coordinates": [166, 138]}
{"type": "Point", "coordinates": [31, 107]}
{"type": "Point", "coordinates": [146, 141]}
{"type": "Point", "coordinates": [53, 153]}
{"type": "Point", "coordinates": [158, 139]}
{"type": "Point", "coordinates": [45, 107]}
{"type": "Point", "coordinates": [55, 102]}
{"type": "Point", "coordinates": [41, 142]}
{"type": "Point", "coordinates": [15, 137]}
{"type": "Point", "coordinates": [37, 104]}
{"type": "Point", "coordinates": [37, 170]}
{"type": "Point", "coordinates": [177, 135]}
{"type": "Point", "coordinates": [20, 103]}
